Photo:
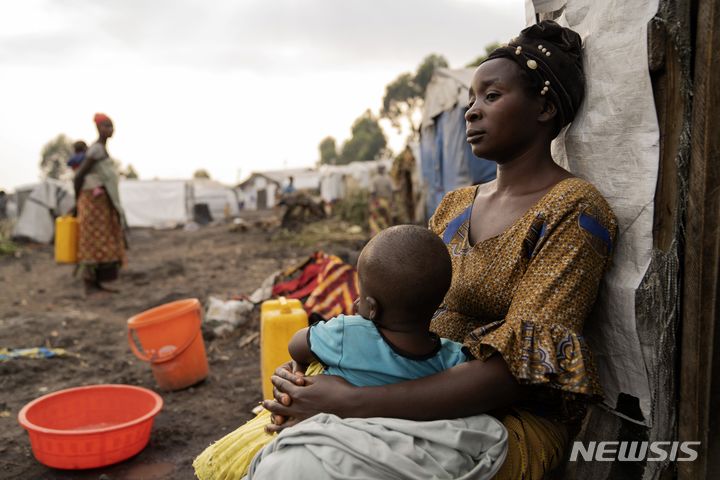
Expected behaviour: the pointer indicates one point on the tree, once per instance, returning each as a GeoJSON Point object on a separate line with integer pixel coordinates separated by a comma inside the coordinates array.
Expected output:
{"type": "Point", "coordinates": [328, 151]}
{"type": "Point", "coordinates": [54, 157]}
{"type": "Point", "coordinates": [488, 50]}
{"type": "Point", "coordinates": [404, 95]}
{"type": "Point", "coordinates": [400, 100]}
{"type": "Point", "coordinates": [426, 70]}
{"type": "Point", "coordinates": [201, 173]}
{"type": "Point", "coordinates": [367, 142]}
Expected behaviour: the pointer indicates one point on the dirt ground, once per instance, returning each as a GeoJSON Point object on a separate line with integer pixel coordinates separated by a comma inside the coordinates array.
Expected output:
{"type": "Point", "coordinates": [42, 304]}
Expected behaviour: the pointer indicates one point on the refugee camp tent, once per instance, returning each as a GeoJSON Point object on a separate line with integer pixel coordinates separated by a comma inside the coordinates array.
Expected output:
{"type": "Point", "coordinates": [40, 207]}
{"type": "Point", "coordinates": [334, 179]}
{"type": "Point", "coordinates": [222, 201]}
{"type": "Point", "coordinates": [332, 182]}
{"type": "Point", "coordinates": [147, 203]}
{"type": "Point", "coordinates": [11, 209]}
{"type": "Point", "coordinates": [447, 162]}
{"type": "Point", "coordinates": [167, 203]}
{"type": "Point", "coordinates": [260, 190]}
{"type": "Point", "coordinates": [156, 203]}
{"type": "Point", "coordinates": [303, 178]}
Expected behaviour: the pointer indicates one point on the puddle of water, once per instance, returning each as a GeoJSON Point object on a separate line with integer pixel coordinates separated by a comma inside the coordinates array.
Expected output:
{"type": "Point", "coordinates": [151, 471]}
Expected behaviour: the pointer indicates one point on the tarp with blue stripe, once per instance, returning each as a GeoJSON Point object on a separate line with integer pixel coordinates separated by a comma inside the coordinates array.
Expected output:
{"type": "Point", "coordinates": [447, 162]}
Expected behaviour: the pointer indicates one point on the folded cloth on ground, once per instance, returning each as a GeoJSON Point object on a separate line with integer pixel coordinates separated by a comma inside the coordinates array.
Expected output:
{"type": "Point", "coordinates": [325, 284]}
{"type": "Point", "coordinates": [327, 447]}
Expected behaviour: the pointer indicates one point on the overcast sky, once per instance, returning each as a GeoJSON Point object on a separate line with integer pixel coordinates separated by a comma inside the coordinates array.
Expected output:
{"type": "Point", "coordinates": [232, 86]}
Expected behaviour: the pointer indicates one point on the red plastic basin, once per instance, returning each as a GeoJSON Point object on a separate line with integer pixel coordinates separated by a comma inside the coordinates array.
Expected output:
{"type": "Point", "coordinates": [90, 427]}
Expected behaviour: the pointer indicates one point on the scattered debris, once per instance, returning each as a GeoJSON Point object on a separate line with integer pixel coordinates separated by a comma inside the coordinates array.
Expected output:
{"type": "Point", "coordinates": [38, 352]}
{"type": "Point", "coordinates": [224, 316]}
{"type": "Point", "coordinates": [248, 339]}
{"type": "Point", "coordinates": [239, 225]}
{"type": "Point", "coordinates": [264, 292]}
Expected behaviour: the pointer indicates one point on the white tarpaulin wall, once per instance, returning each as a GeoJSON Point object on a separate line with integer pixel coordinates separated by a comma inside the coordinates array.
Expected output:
{"type": "Point", "coordinates": [303, 178]}
{"type": "Point", "coordinates": [46, 201]}
{"type": "Point", "coordinates": [614, 143]}
{"type": "Point", "coordinates": [220, 199]}
{"type": "Point", "coordinates": [156, 203]}
{"type": "Point", "coordinates": [332, 185]}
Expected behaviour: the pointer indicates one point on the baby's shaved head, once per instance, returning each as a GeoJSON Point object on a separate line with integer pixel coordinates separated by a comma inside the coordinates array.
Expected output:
{"type": "Point", "coordinates": [406, 267]}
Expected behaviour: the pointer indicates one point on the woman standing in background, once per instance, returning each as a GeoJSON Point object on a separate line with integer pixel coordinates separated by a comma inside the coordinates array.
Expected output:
{"type": "Point", "coordinates": [101, 239]}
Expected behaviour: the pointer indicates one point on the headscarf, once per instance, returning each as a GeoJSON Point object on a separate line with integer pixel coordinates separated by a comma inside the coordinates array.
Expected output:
{"type": "Point", "coordinates": [551, 55]}
{"type": "Point", "coordinates": [100, 118]}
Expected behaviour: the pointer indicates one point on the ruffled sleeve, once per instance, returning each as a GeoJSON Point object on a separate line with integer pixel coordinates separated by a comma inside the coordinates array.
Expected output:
{"type": "Point", "coordinates": [540, 337]}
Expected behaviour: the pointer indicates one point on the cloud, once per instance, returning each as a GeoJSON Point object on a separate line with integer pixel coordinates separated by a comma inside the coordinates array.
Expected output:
{"type": "Point", "coordinates": [258, 35]}
{"type": "Point", "coordinates": [223, 85]}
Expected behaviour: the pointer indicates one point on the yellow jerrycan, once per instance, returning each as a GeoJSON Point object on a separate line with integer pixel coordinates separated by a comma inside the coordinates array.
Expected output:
{"type": "Point", "coordinates": [279, 320]}
{"type": "Point", "coordinates": [66, 239]}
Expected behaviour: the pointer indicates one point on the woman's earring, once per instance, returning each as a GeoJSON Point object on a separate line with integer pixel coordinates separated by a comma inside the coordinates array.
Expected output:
{"type": "Point", "coordinates": [545, 88]}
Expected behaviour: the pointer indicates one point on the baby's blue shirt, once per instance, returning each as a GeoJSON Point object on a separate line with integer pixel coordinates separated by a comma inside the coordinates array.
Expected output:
{"type": "Point", "coordinates": [353, 348]}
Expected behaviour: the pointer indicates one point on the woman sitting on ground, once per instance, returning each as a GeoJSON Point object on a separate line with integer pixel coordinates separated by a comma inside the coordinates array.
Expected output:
{"type": "Point", "coordinates": [528, 252]}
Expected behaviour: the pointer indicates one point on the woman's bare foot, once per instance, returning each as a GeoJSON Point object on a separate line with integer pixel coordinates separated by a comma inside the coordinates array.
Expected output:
{"type": "Point", "coordinates": [93, 287]}
{"type": "Point", "coordinates": [107, 289]}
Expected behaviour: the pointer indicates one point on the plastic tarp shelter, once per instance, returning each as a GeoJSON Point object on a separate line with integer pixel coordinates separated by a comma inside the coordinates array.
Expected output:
{"type": "Point", "coordinates": [332, 177]}
{"type": "Point", "coordinates": [614, 144]}
{"type": "Point", "coordinates": [332, 182]}
{"type": "Point", "coordinates": [303, 178]}
{"type": "Point", "coordinates": [221, 200]}
{"type": "Point", "coordinates": [46, 201]}
{"type": "Point", "coordinates": [447, 162]}
{"type": "Point", "coordinates": [156, 203]}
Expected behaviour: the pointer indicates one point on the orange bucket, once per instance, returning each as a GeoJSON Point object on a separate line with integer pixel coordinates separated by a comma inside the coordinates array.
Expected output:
{"type": "Point", "coordinates": [171, 340]}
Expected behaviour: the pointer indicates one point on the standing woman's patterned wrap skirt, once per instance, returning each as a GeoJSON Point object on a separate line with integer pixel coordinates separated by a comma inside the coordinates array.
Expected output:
{"type": "Point", "coordinates": [101, 245]}
{"type": "Point", "coordinates": [380, 215]}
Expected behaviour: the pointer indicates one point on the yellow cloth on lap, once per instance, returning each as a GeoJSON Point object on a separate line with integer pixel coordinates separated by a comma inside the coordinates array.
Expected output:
{"type": "Point", "coordinates": [536, 445]}
{"type": "Point", "coordinates": [230, 457]}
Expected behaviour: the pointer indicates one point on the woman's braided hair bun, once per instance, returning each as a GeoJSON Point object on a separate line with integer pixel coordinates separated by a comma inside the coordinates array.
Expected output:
{"type": "Point", "coordinates": [551, 56]}
{"type": "Point", "coordinates": [563, 38]}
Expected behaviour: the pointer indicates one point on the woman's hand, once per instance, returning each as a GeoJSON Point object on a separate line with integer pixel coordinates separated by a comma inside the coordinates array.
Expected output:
{"type": "Point", "coordinates": [298, 397]}
{"type": "Point", "coordinates": [467, 389]}
{"type": "Point", "coordinates": [293, 372]}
